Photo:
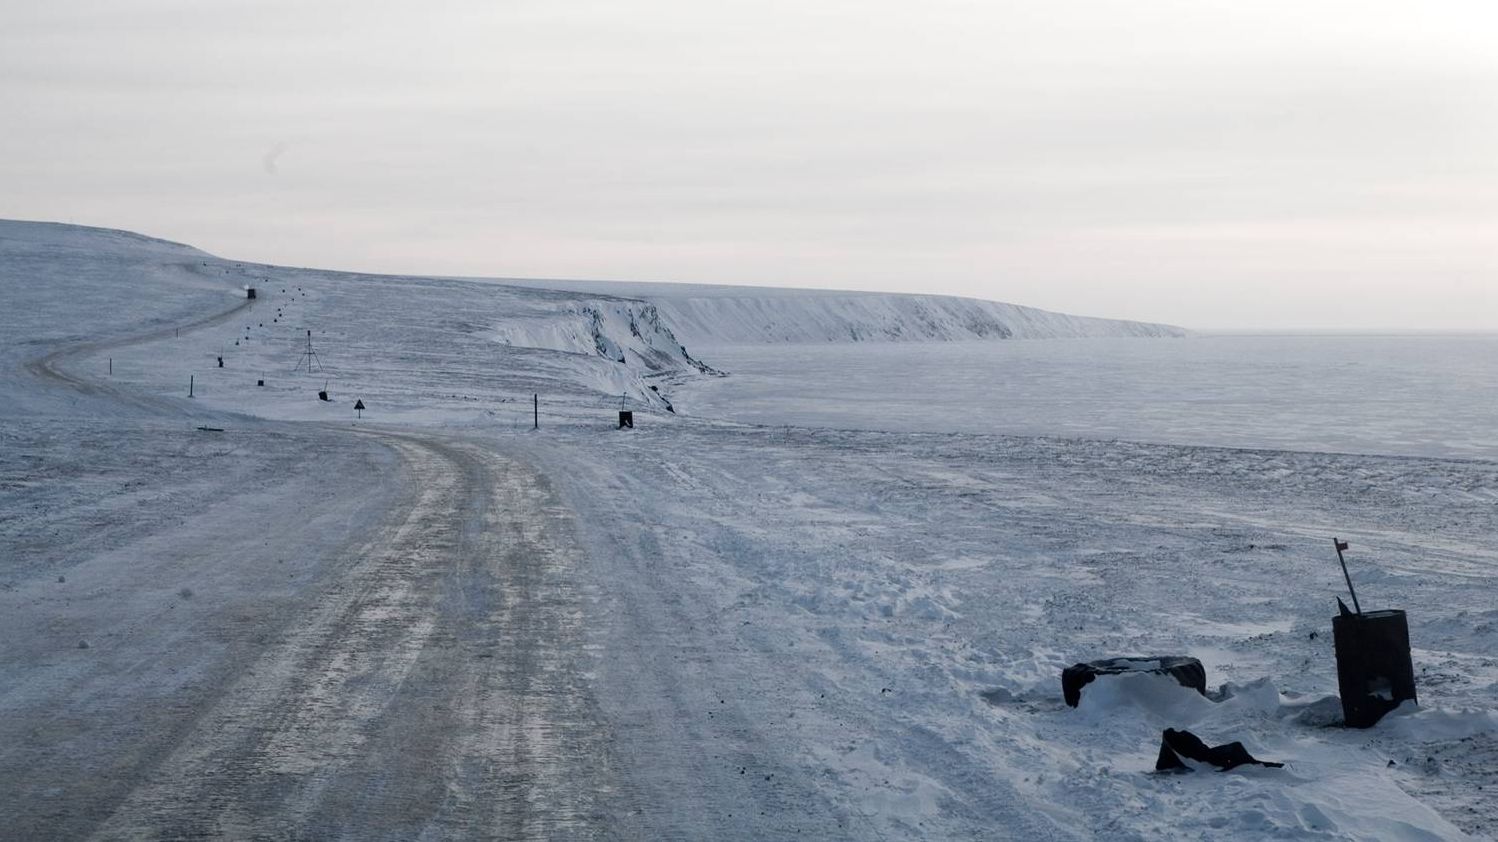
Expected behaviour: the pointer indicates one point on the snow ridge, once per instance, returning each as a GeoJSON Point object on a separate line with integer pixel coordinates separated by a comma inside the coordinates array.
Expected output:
{"type": "Point", "coordinates": [752, 318]}
{"type": "Point", "coordinates": [735, 315]}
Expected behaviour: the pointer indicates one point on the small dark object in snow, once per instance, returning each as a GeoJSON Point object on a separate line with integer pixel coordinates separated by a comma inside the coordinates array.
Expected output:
{"type": "Point", "coordinates": [1189, 672]}
{"type": "Point", "coordinates": [626, 419]}
{"type": "Point", "coordinates": [83, 644]}
{"type": "Point", "coordinates": [997, 696]}
{"type": "Point", "coordinates": [1374, 670]}
{"type": "Point", "coordinates": [1177, 744]}
{"type": "Point", "coordinates": [259, 382]}
{"type": "Point", "coordinates": [322, 396]}
{"type": "Point", "coordinates": [211, 429]}
{"type": "Point", "coordinates": [61, 579]}
{"type": "Point", "coordinates": [185, 593]}
{"type": "Point", "coordinates": [250, 293]}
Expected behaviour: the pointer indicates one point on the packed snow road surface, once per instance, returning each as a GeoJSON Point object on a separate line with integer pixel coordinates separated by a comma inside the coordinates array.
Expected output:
{"type": "Point", "coordinates": [436, 687]}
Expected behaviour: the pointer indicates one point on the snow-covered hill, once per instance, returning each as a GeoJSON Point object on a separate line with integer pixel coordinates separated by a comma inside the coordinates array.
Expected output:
{"type": "Point", "coordinates": [699, 314]}
{"type": "Point", "coordinates": [595, 338]}
{"type": "Point", "coordinates": [515, 340]}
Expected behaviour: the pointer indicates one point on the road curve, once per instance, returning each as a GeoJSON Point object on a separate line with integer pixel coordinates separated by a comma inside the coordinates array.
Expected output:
{"type": "Point", "coordinates": [437, 687]}
{"type": "Point", "coordinates": [50, 366]}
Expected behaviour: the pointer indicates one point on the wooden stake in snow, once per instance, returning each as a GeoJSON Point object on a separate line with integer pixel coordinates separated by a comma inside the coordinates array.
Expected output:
{"type": "Point", "coordinates": [189, 385]}
{"type": "Point", "coordinates": [536, 412]}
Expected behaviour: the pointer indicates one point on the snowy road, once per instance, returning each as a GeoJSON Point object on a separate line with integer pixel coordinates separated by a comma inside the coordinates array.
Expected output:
{"type": "Point", "coordinates": [427, 677]}
{"type": "Point", "coordinates": [437, 687]}
{"type": "Point", "coordinates": [53, 366]}
{"type": "Point", "coordinates": [311, 631]}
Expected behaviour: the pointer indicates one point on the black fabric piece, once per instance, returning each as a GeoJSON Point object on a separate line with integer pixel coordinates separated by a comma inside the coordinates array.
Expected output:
{"type": "Point", "coordinates": [1188, 672]}
{"type": "Point", "coordinates": [1177, 744]}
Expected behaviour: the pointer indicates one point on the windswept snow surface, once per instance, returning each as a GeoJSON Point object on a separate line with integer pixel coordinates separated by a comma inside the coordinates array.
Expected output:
{"type": "Point", "coordinates": [695, 629]}
{"type": "Point", "coordinates": [1410, 395]}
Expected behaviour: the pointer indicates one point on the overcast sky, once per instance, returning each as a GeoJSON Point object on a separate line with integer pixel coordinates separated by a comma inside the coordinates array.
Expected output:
{"type": "Point", "coordinates": [1213, 164]}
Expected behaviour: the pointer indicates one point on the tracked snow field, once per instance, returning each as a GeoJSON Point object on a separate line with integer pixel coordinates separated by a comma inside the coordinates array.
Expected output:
{"type": "Point", "coordinates": [433, 622]}
{"type": "Point", "coordinates": [893, 612]}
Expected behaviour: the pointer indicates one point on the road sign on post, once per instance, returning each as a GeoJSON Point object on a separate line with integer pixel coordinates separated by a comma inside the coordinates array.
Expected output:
{"type": "Point", "coordinates": [359, 408]}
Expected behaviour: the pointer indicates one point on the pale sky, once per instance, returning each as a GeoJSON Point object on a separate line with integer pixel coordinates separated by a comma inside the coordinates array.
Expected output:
{"type": "Point", "coordinates": [1253, 163]}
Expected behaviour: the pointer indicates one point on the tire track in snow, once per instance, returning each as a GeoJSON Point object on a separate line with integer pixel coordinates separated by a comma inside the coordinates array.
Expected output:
{"type": "Point", "coordinates": [439, 690]}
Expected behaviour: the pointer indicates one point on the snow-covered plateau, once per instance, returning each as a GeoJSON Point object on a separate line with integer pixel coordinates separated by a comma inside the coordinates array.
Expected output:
{"type": "Point", "coordinates": [251, 613]}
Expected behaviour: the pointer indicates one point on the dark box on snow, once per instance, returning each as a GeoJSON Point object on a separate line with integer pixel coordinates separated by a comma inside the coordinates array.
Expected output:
{"type": "Point", "coordinates": [1188, 672]}
{"type": "Point", "coordinates": [1374, 669]}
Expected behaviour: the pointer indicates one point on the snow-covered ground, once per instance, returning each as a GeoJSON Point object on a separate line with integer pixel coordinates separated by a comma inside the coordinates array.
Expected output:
{"type": "Point", "coordinates": [1409, 395]}
{"type": "Point", "coordinates": [736, 630]}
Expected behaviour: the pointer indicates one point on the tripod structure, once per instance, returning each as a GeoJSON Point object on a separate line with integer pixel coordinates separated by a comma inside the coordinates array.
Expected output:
{"type": "Point", "coordinates": [308, 357]}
